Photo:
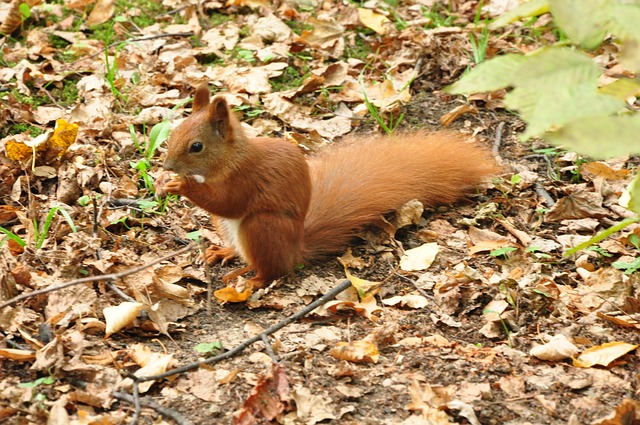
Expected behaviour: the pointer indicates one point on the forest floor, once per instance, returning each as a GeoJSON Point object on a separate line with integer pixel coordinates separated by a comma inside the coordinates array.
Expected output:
{"type": "Point", "coordinates": [501, 328]}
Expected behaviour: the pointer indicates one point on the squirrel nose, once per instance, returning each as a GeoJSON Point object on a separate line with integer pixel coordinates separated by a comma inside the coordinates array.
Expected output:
{"type": "Point", "coordinates": [169, 165]}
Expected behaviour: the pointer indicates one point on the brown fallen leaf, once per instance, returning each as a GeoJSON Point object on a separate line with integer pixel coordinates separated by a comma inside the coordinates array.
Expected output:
{"type": "Point", "coordinates": [270, 397]}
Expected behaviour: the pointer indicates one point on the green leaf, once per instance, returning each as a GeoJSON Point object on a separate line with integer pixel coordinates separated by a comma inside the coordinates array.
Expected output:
{"type": "Point", "coordinates": [158, 135]}
{"type": "Point", "coordinates": [25, 11]}
{"type": "Point", "coordinates": [584, 22]}
{"type": "Point", "coordinates": [634, 195]}
{"type": "Point", "coordinates": [624, 20]}
{"type": "Point", "coordinates": [17, 239]}
{"type": "Point", "coordinates": [502, 251]}
{"type": "Point", "coordinates": [525, 10]}
{"type": "Point", "coordinates": [494, 74]}
{"type": "Point", "coordinates": [600, 137]}
{"type": "Point", "coordinates": [555, 86]}
{"type": "Point", "coordinates": [208, 347]}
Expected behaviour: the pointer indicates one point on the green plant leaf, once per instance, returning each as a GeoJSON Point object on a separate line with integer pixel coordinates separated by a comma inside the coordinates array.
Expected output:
{"type": "Point", "coordinates": [600, 137]}
{"type": "Point", "coordinates": [158, 135]}
{"type": "Point", "coordinates": [525, 10]}
{"type": "Point", "coordinates": [624, 20]}
{"type": "Point", "coordinates": [580, 22]}
{"type": "Point", "coordinates": [25, 11]}
{"type": "Point", "coordinates": [634, 195]}
{"type": "Point", "coordinates": [622, 88]}
{"type": "Point", "coordinates": [17, 239]}
{"type": "Point", "coordinates": [494, 74]}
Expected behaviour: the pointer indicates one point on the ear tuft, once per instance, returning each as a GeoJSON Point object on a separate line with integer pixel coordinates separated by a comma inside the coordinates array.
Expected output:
{"type": "Point", "coordinates": [201, 98]}
{"type": "Point", "coordinates": [218, 110]}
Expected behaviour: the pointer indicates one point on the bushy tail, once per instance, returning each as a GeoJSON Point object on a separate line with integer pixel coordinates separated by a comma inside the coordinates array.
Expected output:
{"type": "Point", "coordinates": [355, 183]}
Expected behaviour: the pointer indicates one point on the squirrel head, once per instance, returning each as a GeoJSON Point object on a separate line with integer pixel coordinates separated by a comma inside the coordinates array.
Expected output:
{"type": "Point", "coordinates": [206, 145]}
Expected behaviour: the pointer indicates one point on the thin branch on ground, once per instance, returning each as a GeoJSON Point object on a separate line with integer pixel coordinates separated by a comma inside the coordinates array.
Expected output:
{"type": "Point", "coordinates": [345, 284]}
{"type": "Point", "coordinates": [108, 277]}
{"type": "Point", "coordinates": [165, 411]}
{"type": "Point", "coordinates": [497, 141]}
{"type": "Point", "coordinates": [541, 191]}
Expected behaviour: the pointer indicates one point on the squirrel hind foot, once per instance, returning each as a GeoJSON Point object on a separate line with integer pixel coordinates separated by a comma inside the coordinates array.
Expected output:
{"type": "Point", "coordinates": [214, 254]}
{"type": "Point", "coordinates": [256, 282]}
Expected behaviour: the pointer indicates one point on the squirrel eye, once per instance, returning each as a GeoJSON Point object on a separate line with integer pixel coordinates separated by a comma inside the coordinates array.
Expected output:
{"type": "Point", "coordinates": [196, 147]}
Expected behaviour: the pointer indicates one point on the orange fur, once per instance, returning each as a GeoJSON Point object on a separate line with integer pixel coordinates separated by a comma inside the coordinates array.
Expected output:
{"type": "Point", "coordinates": [277, 209]}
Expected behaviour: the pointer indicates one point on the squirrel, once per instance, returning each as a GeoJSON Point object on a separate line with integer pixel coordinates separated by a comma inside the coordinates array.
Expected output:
{"type": "Point", "coordinates": [277, 209]}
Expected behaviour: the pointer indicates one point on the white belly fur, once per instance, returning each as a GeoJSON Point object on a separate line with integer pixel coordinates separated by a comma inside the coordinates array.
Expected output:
{"type": "Point", "coordinates": [231, 229]}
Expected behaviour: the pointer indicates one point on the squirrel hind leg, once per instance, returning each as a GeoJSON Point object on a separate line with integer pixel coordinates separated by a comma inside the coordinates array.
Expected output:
{"type": "Point", "coordinates": [272, 244]}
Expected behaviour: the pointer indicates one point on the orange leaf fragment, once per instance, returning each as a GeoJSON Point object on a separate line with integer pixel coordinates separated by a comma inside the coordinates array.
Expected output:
{"type": "Point", "coordinates": [18, 355]}
{"type": "Point", "coordinates": [230, 294]}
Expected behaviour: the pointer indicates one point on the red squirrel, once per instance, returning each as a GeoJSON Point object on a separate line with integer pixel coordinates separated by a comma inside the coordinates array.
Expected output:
{"type": "Point", "coordinates": [276, 209]}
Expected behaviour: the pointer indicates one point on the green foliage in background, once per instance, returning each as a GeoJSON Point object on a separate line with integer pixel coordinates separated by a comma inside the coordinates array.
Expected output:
{"type": "Point", "coordinates": [555, 89]}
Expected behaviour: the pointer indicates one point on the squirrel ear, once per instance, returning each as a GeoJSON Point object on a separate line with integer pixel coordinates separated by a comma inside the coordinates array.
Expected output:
{"type": "Point", "coordinates": [218, 110]}
{"type": "Point", "coordinates": [201, 98]}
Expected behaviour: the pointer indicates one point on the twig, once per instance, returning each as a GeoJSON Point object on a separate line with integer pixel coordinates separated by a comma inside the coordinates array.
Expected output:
{"type": "Point", "coordinates": [111, 276]}
{"type": "Point", "coordinates": [544, 194]}
{"type": "Point", "coordinates": [246, 343]}
{"type": "Point", "coordinates": [177, 417]}
{"type": "Point", "coordinates": [495, 149]}
{"type": "Point", "coordinates": [269, 348]}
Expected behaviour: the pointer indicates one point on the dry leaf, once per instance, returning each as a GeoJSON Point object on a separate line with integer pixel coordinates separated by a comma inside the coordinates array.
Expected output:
{"type": "Point", "coordinates": [102, 12]}
{"type": "Point", "coordinates": [268, 399]}
{"type": "Point", "coordinates": [558, 348]}
{"type": "Point", "coordinates": [356, 351]}
{"type": "Point", "coordinates": [603, 354]}
{"type": "Point", "coordinates": [119, 316]}
{"type": "Point", "coordinates": [18, 355]}
{"type": "Point", "coordinates": [419, 258]}
{"type": "Point", "coordinates": [413, 301]}
{"type": "Point", "coordinates": [377, 22]}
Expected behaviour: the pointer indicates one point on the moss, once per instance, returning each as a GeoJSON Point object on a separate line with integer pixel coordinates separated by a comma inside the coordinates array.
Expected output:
{"type": "Point", "coordinates": [19, 128]}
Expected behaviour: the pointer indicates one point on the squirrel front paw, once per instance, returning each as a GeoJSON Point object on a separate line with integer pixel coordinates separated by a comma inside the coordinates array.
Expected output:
{"type": "Point", "coordinates": [168, 183]}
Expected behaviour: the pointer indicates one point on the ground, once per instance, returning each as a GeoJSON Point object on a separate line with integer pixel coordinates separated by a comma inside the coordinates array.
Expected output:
{"type": "Point", "coordinates": [500, 328]}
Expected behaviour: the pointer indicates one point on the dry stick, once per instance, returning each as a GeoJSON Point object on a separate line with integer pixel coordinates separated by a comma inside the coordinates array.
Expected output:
{"type": "Point", "coordinates": [177, 417]}
{"type": "Point", "coordinates": [111, 276]}
{"type": "Point", "coordinates": [269, 348]}
{"type": "Point", "coordinates": [544, 194]}
{"type": "Point", "coordinates": [495, 149]}
{"type": "Point", "coordinates": [345, 284]}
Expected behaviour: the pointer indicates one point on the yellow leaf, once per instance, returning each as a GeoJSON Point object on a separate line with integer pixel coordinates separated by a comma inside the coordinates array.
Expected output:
{"type": "Point", "coordinates": [17, 151]}
{"type": "Point", "coordinates": [230, 294]}
{"type": "Point", "coordinates": [363, 286]}
{"type": "Point", "coordinates": [377, 22]}
{"type": "Point", "coordinates": [63, 136]}
{"type": "Point", "coordinates": [603, 354]}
